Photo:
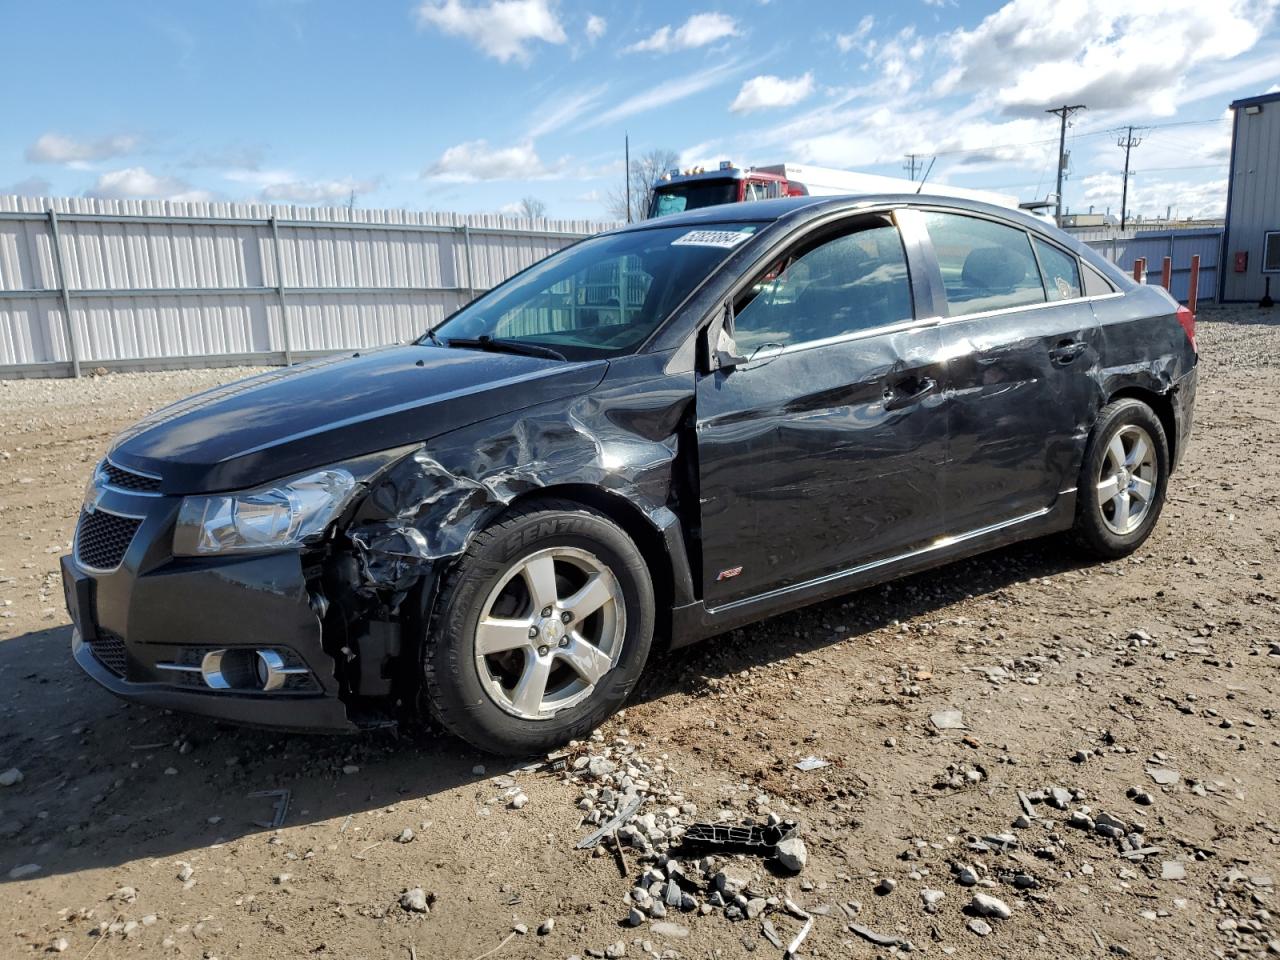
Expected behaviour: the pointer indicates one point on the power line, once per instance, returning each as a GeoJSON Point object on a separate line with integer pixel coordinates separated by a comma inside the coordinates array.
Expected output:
{"type": "Point", "coordinates": [1063, 112]}
{"type": "Point", "coordinates": [914, 162]}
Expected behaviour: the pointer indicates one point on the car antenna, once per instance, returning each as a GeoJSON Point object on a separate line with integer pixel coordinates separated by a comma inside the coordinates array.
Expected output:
{"type": "Point", "coordinates": [926, 174]}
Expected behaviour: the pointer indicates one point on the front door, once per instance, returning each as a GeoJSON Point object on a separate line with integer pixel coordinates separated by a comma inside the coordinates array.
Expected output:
{"type": "Point", "coordinates": [1021, 345]}
{"type": "Point", "coordinates": [823, 450]}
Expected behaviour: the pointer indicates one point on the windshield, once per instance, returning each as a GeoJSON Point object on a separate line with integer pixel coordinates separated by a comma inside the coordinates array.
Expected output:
{"type": "Point", "coordinates": [690, 196]}
{"type": "Point", "coordinates": [600, 298]}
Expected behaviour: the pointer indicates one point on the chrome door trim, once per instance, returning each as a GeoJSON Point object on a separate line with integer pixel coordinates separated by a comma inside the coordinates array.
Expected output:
{"type": "Point", "coordinates": [939, 544]}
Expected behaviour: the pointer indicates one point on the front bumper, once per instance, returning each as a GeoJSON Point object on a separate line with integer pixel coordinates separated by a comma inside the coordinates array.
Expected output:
{"type": "Point", "coordinates": [144, 628]}
{"type": "Point", "coordinates": [310, 715]}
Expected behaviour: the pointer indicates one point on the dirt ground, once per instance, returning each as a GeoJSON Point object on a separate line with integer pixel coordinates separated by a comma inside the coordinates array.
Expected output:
{"type": "Point", "coordinates": [1146, 689]}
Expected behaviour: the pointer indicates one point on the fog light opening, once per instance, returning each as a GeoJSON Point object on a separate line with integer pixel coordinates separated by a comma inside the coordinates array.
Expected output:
{"type": "Point", "coordinates": [246, 671]}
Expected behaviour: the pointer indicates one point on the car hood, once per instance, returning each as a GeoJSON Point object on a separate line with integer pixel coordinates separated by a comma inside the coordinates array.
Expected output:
{"type": "Point", "coordinates": [324, 411]}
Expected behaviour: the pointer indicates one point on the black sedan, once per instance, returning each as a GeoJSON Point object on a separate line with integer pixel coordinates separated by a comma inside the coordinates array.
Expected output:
{"type": "Point", "coordinates": [651, 437]}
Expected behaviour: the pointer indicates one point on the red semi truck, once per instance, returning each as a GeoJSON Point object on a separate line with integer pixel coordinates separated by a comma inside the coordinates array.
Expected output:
{"type": "Point", "coordinates": [678, 190]}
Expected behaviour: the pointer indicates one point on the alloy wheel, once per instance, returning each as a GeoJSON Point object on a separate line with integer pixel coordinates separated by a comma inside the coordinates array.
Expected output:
{"type": "Point", "coordinates": [1127, 479]}
{"type": "Point", "coordinates": [549, 631]}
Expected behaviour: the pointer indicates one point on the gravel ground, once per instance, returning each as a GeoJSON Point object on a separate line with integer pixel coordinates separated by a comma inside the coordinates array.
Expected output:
{"type": "Point", "coordinates": [1027, 756]}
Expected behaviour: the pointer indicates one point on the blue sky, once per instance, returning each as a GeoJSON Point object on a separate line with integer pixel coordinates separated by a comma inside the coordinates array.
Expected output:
{"type": "Point", "coordinates": [470, 105]}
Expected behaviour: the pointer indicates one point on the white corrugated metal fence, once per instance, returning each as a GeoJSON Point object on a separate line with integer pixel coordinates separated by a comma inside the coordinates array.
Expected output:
{"type": "Point", "coordinates": [154, 284]}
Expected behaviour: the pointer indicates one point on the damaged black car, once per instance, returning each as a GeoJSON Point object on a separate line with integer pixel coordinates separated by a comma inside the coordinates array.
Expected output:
{"type": "Point", "coordinates": [646, 439]}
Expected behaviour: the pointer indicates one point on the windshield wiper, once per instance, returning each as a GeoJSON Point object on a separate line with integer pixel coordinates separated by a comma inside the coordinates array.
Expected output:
{"type": "Point", "coordinates": [431, 335]}
{"type": "Point", "coordinates": [502, 345]}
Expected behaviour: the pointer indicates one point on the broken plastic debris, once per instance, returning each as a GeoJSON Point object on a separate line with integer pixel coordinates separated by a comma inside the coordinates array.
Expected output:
{"type": "Point", "coordinates": [812, 763]}
{"type": "Point", "coordinates": [760, 840]}
{"type": "Point", "coordinates": [948, 720]}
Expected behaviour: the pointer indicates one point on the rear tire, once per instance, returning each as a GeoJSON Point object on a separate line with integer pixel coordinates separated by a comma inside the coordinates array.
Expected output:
{"type": "Point", "coordinates": [1122, 481]}
{"type": "Point", "coordinates": [541, 631]}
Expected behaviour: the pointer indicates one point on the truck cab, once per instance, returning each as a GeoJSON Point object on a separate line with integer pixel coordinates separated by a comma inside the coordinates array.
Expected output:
{"type": "Point", "coordinates": [680, 190]}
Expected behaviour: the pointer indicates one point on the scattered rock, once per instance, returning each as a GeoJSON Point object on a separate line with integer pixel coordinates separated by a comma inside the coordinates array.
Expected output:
{"type": "Point", "coordinates": [25, 870]}
{"type": "Point", "coordinates": [672, 931]}
{"type": "Point", "coordinates": [1173, 870]}
{"type": "Point", "coordinates": [985, 905]}
{"type": "Point", "coordinates": [932, 899]}
{"type": "Point", "coordinates": [11, 777]}
{"type": "Point", "coordinates": [1164, 776]}
{"type": "Point", "coordinates": [980, 927]}
{"type": "Point", "coordinates": [886, 886]}
{"type": "Point", "coordinates": [406, 836]}
{"type": "Point", "coordinates": [415, 901]}
{"type": "Point", "coordinates": [546, 926]}
{"type": "Point", "coordinates": [792, 855]}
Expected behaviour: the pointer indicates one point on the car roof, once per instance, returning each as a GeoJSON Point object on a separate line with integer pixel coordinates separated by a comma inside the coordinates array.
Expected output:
{"type": "Point", "coordinates": [803, 208]}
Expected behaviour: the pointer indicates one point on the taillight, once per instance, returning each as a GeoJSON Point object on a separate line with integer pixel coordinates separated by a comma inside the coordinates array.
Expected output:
{"type": "Point", "coordinates": [1188, 321]}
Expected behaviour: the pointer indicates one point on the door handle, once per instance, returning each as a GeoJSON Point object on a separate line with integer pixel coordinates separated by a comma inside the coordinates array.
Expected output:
{"type": "Point", "coordinates": [1067, 350]}
{"type": "Point", "coordinates": [909, 391]}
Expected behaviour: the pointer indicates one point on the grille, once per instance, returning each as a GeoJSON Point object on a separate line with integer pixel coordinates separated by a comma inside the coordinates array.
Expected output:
{"type": "Point", "coordinates": [109, 649]}
{"type": "Point", "coordinates": [102, 538]}
{"type": "Point", "coordinates": [127, 480]}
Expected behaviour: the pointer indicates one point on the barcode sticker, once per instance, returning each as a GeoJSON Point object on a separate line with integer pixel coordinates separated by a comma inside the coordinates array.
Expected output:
{"type": "Point", "coordinates": [728, 239]}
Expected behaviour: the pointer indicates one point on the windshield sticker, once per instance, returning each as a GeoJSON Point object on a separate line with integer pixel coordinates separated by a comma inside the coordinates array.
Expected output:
{"type": "Point", "coordinates": [728, 239]}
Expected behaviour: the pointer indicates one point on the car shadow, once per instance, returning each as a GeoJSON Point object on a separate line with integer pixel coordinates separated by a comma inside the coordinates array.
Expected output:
{"type": "Point", "coordinates": [811, 628]}
{"type": "Point", "coordinates": [106, 782]}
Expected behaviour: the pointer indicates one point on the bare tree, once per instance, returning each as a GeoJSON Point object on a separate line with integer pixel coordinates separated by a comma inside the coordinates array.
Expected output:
{"type": "Point", "coordinates": [531, 208]}
{"type": "Point", "coordinates": [645, 171]}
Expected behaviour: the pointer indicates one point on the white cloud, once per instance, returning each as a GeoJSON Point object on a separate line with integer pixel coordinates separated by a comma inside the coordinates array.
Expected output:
{"type": "Point", "coordinates": [847, 41]}
{"type": "Point", "coordinates": [502, 29]}
{"type": "Point", "coordinates": [139, 183]}
{"type": "Point", "coordinates": [1027, 56]}
{"type": "Point", "coordinates": [58, 148]}
{"type": "Point", "coordinates": [318, 192]}
{"type": "Point", "coordinates": [666, 93]}
{"type": "Point", "coordinates": [596, 27]}
{"type": "Point", "coordinates": [562, 110]}
{"type": "Point", "coordinates": [765, 91]}
{"type": "Point", "coordinates": [476, 160]}
{"type": "Point", "coordinates": [1153, 197]}
{"type": "Point", "coordinates": [699, 30]}
{"type": "Point", "coordinates": [29, 187]}
{"type": "Point", "coordinates": [285, 186]}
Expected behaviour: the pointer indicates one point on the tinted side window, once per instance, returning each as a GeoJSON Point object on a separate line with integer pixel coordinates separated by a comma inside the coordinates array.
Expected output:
{"type": "Point", "coordinates": [985, 265]}
{"type": "Point", "coordinates": [1061, 271]}
{"type": "Point", "coordinates": [1095, 284]}
{"type": "Point", "coordinates": [839, 285]}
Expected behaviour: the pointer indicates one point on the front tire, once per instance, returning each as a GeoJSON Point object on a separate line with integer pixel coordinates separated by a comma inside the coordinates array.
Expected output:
{"type": "Point", "coordinates": [1122, 480]}
{"type": "Point", "coordinates": [541, 630]}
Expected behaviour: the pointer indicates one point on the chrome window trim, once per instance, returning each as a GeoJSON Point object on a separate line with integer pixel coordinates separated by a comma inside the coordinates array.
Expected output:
{"type": "Point", "coordinates": [940, 543]}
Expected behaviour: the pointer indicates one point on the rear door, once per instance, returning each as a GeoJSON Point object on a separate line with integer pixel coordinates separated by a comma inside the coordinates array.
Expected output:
{"type": "Point", "coordinates": [1021, 346]}
{"type": "Point", "coordinates": [824, 449]}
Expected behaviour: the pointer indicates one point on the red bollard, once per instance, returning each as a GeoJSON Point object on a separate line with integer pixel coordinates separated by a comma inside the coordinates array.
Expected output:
{"type": "Point", "coordinates": [1193, 284]}
{"type": "Point", "coordinates": [1140, 269]}
{"type": "Point", "coordinates": [1166, 272]}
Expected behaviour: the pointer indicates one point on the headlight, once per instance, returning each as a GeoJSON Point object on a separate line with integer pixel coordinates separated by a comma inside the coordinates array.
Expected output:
{"type": "Point", "coordinates": [268, 518]}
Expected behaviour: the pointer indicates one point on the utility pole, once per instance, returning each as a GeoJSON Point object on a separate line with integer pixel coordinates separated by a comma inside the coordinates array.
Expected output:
{"type": "Point", "coordinates": [1127, 143]}
{"type": "Point", "coordinates": [626, 159]}
{"type": "Point", "coordinates": [914, 163]}
{"type": "Point", "coordinates": [1063, 112]}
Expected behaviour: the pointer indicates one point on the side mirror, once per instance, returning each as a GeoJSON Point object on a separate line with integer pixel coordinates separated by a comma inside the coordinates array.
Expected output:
{"type": "Point", "coordinates": [719, 350]}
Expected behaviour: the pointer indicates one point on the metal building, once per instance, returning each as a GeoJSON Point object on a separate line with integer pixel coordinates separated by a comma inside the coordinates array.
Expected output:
{"type": "Point", "coordinates": [1251, 251]}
